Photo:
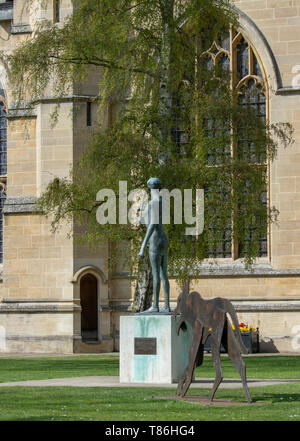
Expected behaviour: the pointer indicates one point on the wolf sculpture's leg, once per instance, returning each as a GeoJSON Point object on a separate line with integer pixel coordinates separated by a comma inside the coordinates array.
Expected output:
{"type": "Point", "coordinates": [186, 378]}
{"type": "Point", "coordinates": [216, 336]}
{"type": "Point", "coordinates": [234, 353]}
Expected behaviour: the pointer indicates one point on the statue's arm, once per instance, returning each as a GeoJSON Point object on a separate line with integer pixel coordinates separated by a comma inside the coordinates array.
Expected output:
{"type": "Point", "coordinates": [149, 232]}
{"type": "Point", "coordinates": [150, 228]}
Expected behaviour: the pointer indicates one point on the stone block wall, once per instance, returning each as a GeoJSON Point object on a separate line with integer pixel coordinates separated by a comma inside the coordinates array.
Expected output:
{"type": "Point", "coordinates": [40, 295]}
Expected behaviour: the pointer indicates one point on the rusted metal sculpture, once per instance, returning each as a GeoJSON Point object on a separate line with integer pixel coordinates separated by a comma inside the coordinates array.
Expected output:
{"type": "Point", "coordinates": [210, 317]}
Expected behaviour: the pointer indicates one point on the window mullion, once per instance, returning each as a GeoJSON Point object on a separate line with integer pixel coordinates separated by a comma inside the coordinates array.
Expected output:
{"type": "Point", "coordinates": [234, 243]}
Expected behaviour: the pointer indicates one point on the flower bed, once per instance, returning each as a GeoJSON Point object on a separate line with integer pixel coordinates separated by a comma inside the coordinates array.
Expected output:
{"type": "Point", "coordinates": [250, 337]}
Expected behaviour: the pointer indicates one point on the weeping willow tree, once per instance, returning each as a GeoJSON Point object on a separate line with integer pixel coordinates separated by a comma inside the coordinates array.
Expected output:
{"type": "Point", "coordinates": [176, 116]}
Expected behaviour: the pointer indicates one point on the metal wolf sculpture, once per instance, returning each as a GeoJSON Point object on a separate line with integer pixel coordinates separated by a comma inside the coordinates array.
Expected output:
{"type": "Point", "coordinates": [204, 315]}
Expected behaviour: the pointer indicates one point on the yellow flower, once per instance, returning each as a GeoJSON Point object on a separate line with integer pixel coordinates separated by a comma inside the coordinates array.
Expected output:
{"type": "Point", "coordinates": [245, 328]}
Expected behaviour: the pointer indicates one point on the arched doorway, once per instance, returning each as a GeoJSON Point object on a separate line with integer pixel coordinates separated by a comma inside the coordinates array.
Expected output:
{"type": "Point", "coordinates": [89, 307]}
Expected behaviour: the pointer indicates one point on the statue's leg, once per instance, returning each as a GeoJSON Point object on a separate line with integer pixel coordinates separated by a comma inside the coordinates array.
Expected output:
{"type": "Point", "coordinates": [186, 378]}
{"type": "Point", "coordinates": [155, 260]}
{"type": "Point", "coordinates": [234, 353]}
{"type": "Point", "coordinates": [166, 284]}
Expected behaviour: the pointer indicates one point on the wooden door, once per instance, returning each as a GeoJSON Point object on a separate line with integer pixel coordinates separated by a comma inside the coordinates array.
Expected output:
{"type": "Point", "coordinates": [89, 307]}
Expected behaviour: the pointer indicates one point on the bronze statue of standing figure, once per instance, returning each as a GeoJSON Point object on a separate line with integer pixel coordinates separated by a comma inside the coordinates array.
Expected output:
{"type": "Point", "coordinates": [158, 249]}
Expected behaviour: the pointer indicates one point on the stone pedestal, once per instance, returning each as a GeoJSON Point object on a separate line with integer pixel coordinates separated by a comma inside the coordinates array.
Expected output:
{"type": "Point", "coordinates": [150, 349]}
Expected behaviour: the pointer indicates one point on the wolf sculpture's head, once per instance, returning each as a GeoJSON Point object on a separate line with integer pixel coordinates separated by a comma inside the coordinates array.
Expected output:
{"type": "Point", "coordinates": [181, 300]}
{"type": "Point", "coordinates": [184, 308]}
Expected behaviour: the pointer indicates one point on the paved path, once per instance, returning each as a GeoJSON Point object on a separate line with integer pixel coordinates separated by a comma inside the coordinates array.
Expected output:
{"type": "Point", "coordinates": [116, 354]}
{"type": "Point", "coordinates": [105, 381]}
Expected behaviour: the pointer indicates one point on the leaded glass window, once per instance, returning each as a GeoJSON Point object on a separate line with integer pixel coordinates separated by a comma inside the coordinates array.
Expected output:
{"type": "Point", "coordinates": [3, 162]}
{"type": "Point", "coordinates": [250, 232]}
{"type": "Point", "coordinates": [2, 200]}
{"type": "Point", "coordinates": [56, 11]}
{"type": "Point", "coordinates": [232, 52]}
{"type": "Point", "coordinates": [251, 94]}
{"type": "Point", "coordinates": [3, 140]}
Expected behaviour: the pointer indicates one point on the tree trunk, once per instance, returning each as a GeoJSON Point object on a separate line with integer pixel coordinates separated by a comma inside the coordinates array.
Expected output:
{"type": "Point", "coordinates": [144, 286]}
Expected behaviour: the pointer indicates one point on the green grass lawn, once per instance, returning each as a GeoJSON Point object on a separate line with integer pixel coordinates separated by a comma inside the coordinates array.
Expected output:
{"type": "Point", "coordinates": [281, 402]}
{"type": "Point", "coordinates": [278, 402]}
{"type": "Point", "coordinates": [18, 369]}
{"type": "Point", "coordinates": [273, 367]}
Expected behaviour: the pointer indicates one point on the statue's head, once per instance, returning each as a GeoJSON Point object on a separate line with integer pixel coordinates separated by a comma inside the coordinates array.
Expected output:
{"type": "Point", "coordinates": [154, 183]}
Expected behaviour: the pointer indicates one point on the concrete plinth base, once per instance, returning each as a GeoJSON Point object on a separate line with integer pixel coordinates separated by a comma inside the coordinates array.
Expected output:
{"type": "Point", "coordinates": [150, 349]}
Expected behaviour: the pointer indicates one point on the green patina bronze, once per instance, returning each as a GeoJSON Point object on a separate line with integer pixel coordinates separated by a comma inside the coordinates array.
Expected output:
{"type": "Point", "coordinates": [158, 249]}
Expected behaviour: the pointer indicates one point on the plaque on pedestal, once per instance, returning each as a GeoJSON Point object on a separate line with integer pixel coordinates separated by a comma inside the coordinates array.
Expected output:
{"type": "Point", "coordinates": [150, 349]}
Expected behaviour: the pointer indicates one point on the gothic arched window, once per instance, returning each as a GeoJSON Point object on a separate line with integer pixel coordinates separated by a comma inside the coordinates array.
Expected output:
{"type": "Point", "coordinates": [3, 163]}
{"type": "Point", "coordinates": [56, 11]}
{"type": "Point", "coordinates": [3, 139]}
{"type": "Point", "coordinates": [2, 200]}
{"type": "Point", "coordinates": [231, 52]}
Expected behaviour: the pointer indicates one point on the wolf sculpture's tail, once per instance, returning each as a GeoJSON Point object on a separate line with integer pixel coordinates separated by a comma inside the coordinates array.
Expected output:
{"type": "Point", "coordinates": [232, 313]}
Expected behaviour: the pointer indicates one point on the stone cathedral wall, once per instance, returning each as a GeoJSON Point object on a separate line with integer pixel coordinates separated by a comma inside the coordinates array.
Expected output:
{"type": "Point", "coordinates": [40, 291]}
